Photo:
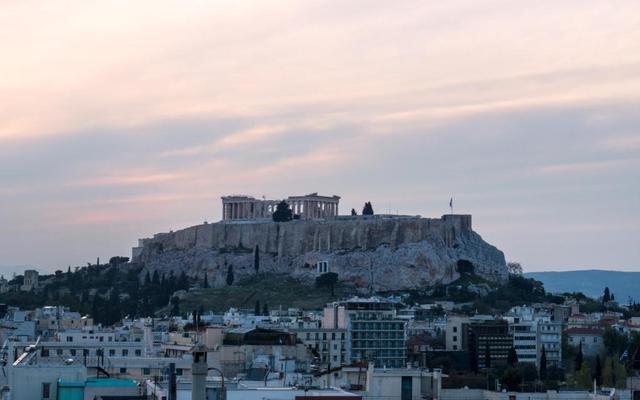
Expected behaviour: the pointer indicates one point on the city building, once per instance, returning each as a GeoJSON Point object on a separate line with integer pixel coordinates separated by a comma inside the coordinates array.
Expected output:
{"type": "Point", "coordinates": [489, 343]}
{"type": "Point", "coordinates": [591, 340]}
{"type": "Point", "coordinates": [376, 333]}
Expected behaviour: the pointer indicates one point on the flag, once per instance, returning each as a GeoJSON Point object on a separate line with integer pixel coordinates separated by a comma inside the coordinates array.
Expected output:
{"type": "Point", "coordinates": [624, 355]}
{"type": "Point", "coordinates": [451, 202]}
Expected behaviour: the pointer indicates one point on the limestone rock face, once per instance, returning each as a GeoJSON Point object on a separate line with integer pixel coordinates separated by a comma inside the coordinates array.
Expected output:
{"type": "Point", "coordinates": [374, 253]}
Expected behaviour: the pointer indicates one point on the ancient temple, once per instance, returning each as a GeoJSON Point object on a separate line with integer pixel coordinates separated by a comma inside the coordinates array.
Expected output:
{"type": "Point", "coordinates": [310, 206]}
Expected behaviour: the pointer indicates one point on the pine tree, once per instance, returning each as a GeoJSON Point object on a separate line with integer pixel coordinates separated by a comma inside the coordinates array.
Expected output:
{"type": "Point", "coordinates": [206, 281]}
{"type": "Point", "coordinates": [256, 259]}
{"type": "Point", "coordinates": [367, 209]}
{"type": "Point", "coordinates": [283, 212]}
{"type": "Point", "coordinates": [354, 212]}
{"type": "Point", "coordinates": [265, 310]}
{"type": "Point", "coordinates": [230, 275]}
{"type": "Point", "coordinates": [256, 310]}
{"type": "Point", "coordinates": [543, 364]}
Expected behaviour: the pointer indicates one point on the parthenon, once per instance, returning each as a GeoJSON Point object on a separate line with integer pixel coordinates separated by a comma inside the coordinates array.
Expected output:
{"type": "Point", "coordinates": [310, 206]}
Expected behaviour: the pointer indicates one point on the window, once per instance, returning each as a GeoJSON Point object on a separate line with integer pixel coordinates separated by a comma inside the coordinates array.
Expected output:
{"type": "Point", "coordinates": [112, 352]}
{"type": "Point", "coordinates": [455, 329]}
{"type": "Point", "coordinates": [138, 352]}
{"type": "Point", "coordinates": [178, 371]}
{"type": "Point", "coordinates": [44, 353]}
{"type": "Point", "coordinates": [69, 338]}
{"type": "Point", "coordinates": [455, 338]}
{"type": "Point", "coordinates": [46, 390]}
{"type": "Point", "coordinates": [595, 340]}
{"type": "Point", "coordinates": [146, 371]}
{"type": "Point", "coordinates": [59, 352]}
{"type": "Point", "coordinates": [125, 352]}
{"type": "Point", "coordinates": [123, 370]}
{"type": "Point", "coordinates": [72, 352]}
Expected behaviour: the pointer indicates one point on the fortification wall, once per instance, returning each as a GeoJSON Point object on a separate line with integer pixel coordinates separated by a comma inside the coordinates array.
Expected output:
{"type": "Point", "coordinates": [381, 252]}
{"type": "Point", "coordinates": [303, 236]}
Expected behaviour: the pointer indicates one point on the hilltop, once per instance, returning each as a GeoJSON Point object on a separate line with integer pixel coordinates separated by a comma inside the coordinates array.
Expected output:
{"type": "Point", "coordinates": [373, 253]}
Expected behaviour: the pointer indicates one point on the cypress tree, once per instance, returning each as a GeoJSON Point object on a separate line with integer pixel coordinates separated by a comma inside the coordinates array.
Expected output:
{"type": "Point", "coordinates": [156, 278]}
{"type": "Point", "coordinates": [256, 310]}
{"type": "Point", "coordinates": [230, 275]}
{"type": "Point", "coordinates": [543, 364]}
{"type": "Point", "coordinates": [265, 310]}
{"type": "Point", "coordinates": [206, 281]}
{"type": "Point", "coordinates": [147, 279]}
{"type": "Point", "coordinates": [512, 357]}
{"type": "Point", "coordinates": [256, 259]}
{"type": "Point", "coordinates": [598, 372]}
{"type": "Point", "coordinates": [607, 296]}
{"type": "Point", "coordinates": [578, 360]}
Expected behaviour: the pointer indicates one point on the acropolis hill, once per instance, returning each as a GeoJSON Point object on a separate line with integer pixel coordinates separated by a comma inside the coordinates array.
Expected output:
{"type": "Point", "coordinates": [375, 252]}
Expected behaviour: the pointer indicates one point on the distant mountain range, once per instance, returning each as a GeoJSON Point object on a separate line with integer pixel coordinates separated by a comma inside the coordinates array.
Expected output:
{"type": "Point", "coordinates": [592, 283]}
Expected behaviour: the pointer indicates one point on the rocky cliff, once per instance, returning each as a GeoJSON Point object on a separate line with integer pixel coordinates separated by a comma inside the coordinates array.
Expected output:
{"type": "Point", "coordinates": [372, 252]}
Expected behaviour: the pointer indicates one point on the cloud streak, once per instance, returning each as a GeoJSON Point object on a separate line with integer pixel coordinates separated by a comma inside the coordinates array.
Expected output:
{"type": "Point", "coordinates": [120, 120]}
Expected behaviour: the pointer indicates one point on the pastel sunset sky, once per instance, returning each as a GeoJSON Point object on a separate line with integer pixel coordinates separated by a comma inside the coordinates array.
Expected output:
{"type": "Point", "coordinates": [120, 119]}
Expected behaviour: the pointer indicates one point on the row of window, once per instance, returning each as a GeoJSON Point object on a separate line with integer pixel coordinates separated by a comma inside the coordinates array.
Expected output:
{"type": "Point", "coordinates": [377, 326]}
{"type": "Point", "coordinates": [378, 344]}
{"type": "Point", "coordinates": [90, 353]}
{"type": "Point", "coordinates": [324, 336]}
{"type": "Point", "coordinates": [377, 335]}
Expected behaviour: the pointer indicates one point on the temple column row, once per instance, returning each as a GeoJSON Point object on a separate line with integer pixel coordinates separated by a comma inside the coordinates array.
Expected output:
{"type": "Point", "coordinates": [314, 209]}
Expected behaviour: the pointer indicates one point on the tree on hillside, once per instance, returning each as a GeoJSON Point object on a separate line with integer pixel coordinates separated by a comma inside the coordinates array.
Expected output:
{"type": "Point", "coordinates": [175, 306]}
{"type": "Point", "coordinates": [256, 309]}
{"type": "Point", "coordinates": [583, 376]}
{"type": "Point", "coordinates": [606, 296]}
{"type": "Point", "coordinates": [283, 212]}
{"type": "Point", "coordinates": [265, 310]}
{"type": "Point", "coordinates": [256, 259]}
{"type": "Point", "coordinates": [514, 268]}
{"type": "Point", "coordinates": [183, 281]}
{"type": "Point", "coordinates": [147, 279]}
{"type": "Point", "coordinates": [367, 209]}
{"type": "Point", "coordinates": [543, 364]}
{"type": "Point", "coordinates": [206, 281]}
{"type": "Point", "coordinates": [156, 278]}
{"type": "Point", "coordinates": [230, 275]}
{"type": "Point", "coordinates": [354, 212]}
{"type": "Point", "coordinates": [327, 280]}
{"type": "Point", "coordinates": [614, 373]}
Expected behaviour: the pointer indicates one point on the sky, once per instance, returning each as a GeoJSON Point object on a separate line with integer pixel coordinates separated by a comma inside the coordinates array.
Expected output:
{"type": "Point", "coordinates": [122, 119]}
